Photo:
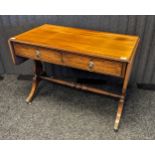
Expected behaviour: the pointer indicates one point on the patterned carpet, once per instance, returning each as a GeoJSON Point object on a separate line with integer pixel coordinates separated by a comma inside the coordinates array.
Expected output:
{"type": "Point", "coordinates": [63, 113]}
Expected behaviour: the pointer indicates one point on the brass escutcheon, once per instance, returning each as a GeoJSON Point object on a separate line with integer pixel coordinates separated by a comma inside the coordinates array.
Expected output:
{"type": "Point", "coordinates": [90, 65]}
{"type": "Point", "coordinates": [37, 53]}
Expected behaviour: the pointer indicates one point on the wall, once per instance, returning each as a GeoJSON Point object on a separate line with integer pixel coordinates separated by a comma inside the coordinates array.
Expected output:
{"type": "Point", "coordinates": [144, 66]}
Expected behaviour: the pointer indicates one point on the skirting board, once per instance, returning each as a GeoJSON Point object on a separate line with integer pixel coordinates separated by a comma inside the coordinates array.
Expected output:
{"type": "Point", "coordinates": [146, 86]}
{"type": "Point", "coordinates": [1, 78]}
{"type": "Point", "coordinates": [96, 81]}
{"type": "Point", "coordinates": [88, 81]}
{"type": "Point", "coordinates": [79, 80]}
{"type": "Point", "coordinates": [25, 77]}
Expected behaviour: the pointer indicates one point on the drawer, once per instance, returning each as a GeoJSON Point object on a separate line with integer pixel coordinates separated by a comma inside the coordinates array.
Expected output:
{"type": "Point", "coordinates": [37, 53]}
{"type": "Point", "coordinates": [96, 65]}
{"type": "Point", "coordinates": [86, 63]}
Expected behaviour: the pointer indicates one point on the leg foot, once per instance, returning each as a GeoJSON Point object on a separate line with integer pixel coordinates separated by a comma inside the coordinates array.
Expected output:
{"type": "Point", "coordinates": [28, 102]}
{"type": "Point", "coordinates": [119, 114]}
{"type": "Point", "coordinates": [35, 84]}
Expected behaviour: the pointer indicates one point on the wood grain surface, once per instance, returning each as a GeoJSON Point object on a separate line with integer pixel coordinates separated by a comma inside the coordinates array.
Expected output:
{"type": "Point", "coordinates": [93, 43]}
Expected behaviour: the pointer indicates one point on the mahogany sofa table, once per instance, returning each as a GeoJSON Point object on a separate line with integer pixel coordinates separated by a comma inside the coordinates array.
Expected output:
{"type": "Point", "coordinates": [92, 51]}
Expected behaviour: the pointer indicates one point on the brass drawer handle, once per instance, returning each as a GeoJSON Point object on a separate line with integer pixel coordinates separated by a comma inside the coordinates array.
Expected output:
{"type": "Point", "coordinates": [37, 53]}
{"type": "Point", "coordinates": [90, 65]}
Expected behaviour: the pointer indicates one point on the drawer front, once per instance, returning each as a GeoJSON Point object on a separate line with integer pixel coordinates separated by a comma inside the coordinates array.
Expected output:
{"type": "Point", "coordinates": [94, 64]}
{"type": "Point", "coordinates": [109, 67]}
{"type": "Point", "coordinates": [87, 63]}
{"type": "Point", "coordinates": [37, 53]}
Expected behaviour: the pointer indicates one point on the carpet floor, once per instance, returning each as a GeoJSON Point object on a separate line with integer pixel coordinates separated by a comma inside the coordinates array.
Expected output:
{"type": "Point", "coordinates": [60, 112]}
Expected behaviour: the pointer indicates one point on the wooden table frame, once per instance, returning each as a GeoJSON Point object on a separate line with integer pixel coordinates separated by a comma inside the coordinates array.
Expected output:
{"type": "Point", "coordinates": [39, 74]}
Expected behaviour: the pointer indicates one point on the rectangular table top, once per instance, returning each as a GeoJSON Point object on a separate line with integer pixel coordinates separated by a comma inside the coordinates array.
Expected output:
{"type": "Point", "coordinates": [81, 41]}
